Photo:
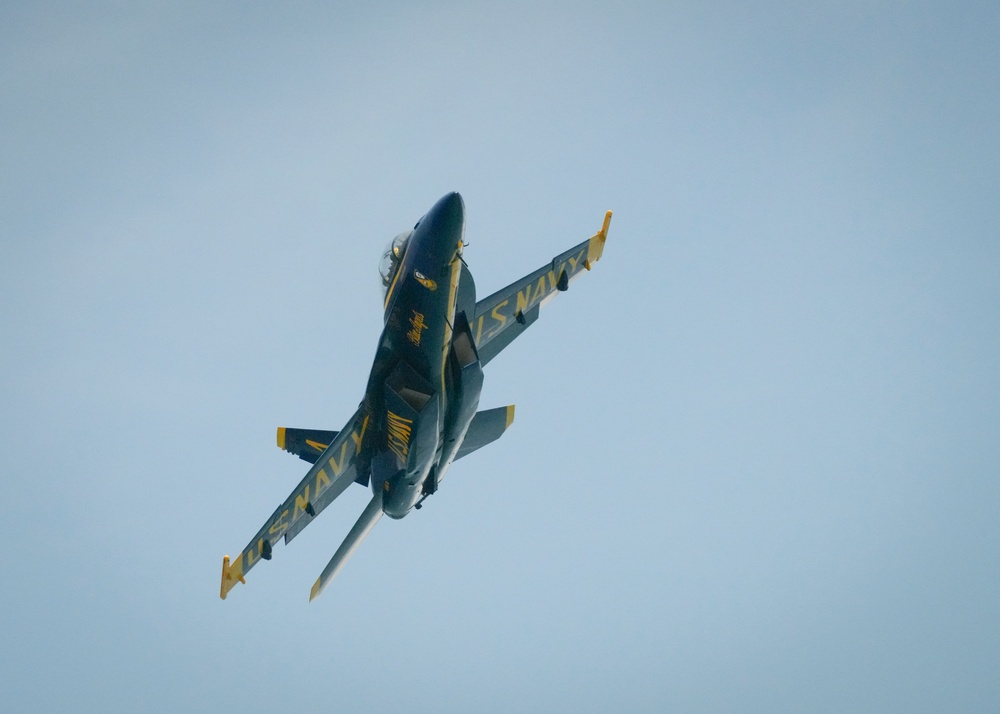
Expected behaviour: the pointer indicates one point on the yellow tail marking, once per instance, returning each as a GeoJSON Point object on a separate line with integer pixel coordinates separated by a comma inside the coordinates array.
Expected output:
{"type": "Point", "coordinates": [281, 438]}
{"type": "Point", "coordinates": [316, 445]}
{"type": "Point", "coordinates": [510, 417]}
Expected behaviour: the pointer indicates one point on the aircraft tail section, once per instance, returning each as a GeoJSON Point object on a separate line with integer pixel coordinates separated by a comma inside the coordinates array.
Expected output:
{"type": "Point", "coordinates": [486, 427]}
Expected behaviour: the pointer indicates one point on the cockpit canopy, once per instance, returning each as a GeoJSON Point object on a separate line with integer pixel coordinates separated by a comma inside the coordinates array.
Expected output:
{"type": "Point", "coordinates": [392, 257]}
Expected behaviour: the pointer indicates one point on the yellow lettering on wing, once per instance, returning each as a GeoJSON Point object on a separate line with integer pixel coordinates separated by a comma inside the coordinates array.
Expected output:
{"type": "Point", "coordinates": [338, 467]}
{"type": "Point", "coordinates": [358, 438]}
{"type": "Point", "coordinates": [479, 329]}
{"type": "Point", "coordinates": [554, 277]}
{"type": "Point", "coordinates": [280, 524]}
{"type": "Point", "coordinates": [322, 481]}
{"type": "Point", "coordinates": [523, 298]}
{"type": "Point", "coordinates": [301, 501]}
{"type": "Point", "coordinates": [499, 317]}
{"type": "Point", "coordinates": [574, 262]}
{"type": "Point", "coordinates": [539, 290]}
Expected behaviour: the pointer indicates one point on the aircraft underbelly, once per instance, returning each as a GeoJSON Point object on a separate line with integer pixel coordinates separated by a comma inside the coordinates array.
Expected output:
{"type": "Point", "coordinates": [416, 397]}
{"type": "Point", "coordinates": [425, 419]}
{"type": "Point", "coordinates": [410, 430]}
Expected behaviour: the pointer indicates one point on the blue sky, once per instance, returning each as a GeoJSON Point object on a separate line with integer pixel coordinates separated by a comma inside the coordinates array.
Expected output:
{"type": "Point", "coordinates": [756, 454]}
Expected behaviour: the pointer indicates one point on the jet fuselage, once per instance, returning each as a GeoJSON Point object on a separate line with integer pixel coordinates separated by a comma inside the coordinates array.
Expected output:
{"type": "Point", "coordinates": [424, 388]}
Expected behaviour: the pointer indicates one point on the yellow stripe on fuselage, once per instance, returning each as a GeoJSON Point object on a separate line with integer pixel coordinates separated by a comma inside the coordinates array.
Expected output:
{"type": "Point", "coordinates": [456, 272]}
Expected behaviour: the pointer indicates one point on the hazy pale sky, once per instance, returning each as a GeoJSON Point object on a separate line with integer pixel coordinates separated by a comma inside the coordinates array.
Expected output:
{"type": "Point", "coordinates": [756, 455]}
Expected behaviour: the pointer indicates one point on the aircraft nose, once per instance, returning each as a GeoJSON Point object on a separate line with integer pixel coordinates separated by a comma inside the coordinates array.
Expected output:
{"type": "Point", "coordinates": [451, 207]}
{"type": "Point", "coordinates": [446, 219]}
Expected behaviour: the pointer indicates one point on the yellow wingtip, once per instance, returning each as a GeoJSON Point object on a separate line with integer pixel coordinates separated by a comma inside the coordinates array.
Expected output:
{"type": "Point", "coordinates": [225, 577]}
{"type": "Point", "coordinates": [281, 438]}
{"type": "Point", "coordinates": [232, 572]}
{"type": "Point", "coordinates": [596, 246]}
{"type": "Point", "coordinates": [510, 417]}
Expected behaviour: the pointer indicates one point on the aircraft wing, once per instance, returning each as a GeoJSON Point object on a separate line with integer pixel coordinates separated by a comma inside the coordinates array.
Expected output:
{"type": "Point", "coordinates": [505, 314]}
{"type": "Point", "coordinates": [334, 470]}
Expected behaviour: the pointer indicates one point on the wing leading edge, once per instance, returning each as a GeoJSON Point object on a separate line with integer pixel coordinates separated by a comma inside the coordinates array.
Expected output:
{"type": "Point", "coordinates": [505, 314]}
{"type": "Point", "coordinates": [333, 471]}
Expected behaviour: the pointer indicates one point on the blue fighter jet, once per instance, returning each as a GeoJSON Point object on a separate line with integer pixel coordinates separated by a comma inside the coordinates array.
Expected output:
{"type": "Point", "coordinates": [420, 410]}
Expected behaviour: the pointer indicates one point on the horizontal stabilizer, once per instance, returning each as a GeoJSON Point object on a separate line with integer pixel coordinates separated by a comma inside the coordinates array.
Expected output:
{"type": "Point", "coordinates": [307, 444]}
{"type": "Point", "coordinates": [369, 517]}
{"type": "Point", "coordinates": [486, 427]}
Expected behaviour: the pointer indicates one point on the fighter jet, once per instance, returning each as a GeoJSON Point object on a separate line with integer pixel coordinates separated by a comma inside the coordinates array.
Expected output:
{"type": "Point", "coordinates": [420, 408]}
